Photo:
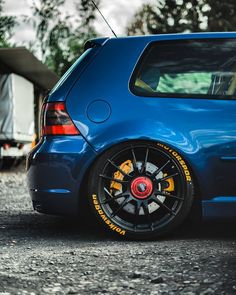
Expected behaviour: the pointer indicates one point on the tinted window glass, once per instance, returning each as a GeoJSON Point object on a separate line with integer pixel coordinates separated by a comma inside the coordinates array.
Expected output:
{"type": "Point", "coordinates": [187, 68]}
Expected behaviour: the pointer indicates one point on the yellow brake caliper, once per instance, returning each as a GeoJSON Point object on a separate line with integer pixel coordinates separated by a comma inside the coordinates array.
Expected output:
{"type": "Point", "coordinates": [170, 181]}
{"type": "Point", "coordinates": [126, 168]}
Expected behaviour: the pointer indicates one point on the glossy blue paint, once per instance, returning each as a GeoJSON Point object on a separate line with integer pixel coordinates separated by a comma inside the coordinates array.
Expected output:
{"type": "Point", "coordinates": [203, 131]}
{"type": "Point", "coordinates": [57, 191]}
{"type": "Point", "coordinates": [98, 111]}
{"type": "Point", "coordinates": [56, 168]}
{"type": "Point", "coordinates": [219, 207]}
{"type": "Point", "coordinates": [228, 159]}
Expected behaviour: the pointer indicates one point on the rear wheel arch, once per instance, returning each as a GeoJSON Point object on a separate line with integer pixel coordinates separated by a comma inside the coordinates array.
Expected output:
{"type": "Point", "coordinates": [150, 141]}
{"type": "Point", "coordinates": [115, 149]}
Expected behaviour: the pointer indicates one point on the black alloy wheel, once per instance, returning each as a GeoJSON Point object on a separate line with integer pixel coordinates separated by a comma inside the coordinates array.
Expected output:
{"type": "Point", "coordinates": [141, 190]}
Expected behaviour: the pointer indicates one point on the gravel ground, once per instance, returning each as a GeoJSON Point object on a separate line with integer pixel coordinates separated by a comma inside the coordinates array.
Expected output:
{"type": "Point", "coordinates": [42, 254]}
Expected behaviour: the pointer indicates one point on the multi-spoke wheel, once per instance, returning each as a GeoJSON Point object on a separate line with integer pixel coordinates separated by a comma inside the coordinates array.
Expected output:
{"type": "Point", "coordinates": [141, 190]}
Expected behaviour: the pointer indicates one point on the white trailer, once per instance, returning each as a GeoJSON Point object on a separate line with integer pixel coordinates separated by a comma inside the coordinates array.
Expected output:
{"type": "Point", "coordinates": [16, 118]}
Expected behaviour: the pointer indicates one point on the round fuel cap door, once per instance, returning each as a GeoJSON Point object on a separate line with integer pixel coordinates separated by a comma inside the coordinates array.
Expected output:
{"type": "Point", "coordinates": [98, 111]}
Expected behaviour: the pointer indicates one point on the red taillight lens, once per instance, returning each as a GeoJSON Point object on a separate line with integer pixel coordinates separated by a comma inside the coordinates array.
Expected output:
{"type": "Point", "coordinates": [56, 120]}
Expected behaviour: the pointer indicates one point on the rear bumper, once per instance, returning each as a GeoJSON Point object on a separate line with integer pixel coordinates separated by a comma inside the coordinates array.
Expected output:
{"type": "Point", "coordinates": [55, 170]}
{"type": "Point", "coordinates": [53, 203]}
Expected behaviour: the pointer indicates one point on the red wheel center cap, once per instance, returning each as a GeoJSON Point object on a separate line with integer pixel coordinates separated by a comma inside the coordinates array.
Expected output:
{"type": "Point", "coordinates": [141, 187]}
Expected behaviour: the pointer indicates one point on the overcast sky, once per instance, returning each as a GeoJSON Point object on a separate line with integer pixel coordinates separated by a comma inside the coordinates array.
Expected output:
{"type": "Point", "coordinates": [118, 13]}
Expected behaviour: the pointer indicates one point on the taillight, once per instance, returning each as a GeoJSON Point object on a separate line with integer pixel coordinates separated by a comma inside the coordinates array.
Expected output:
{"type": "Point", "coordinates": [56, 120]}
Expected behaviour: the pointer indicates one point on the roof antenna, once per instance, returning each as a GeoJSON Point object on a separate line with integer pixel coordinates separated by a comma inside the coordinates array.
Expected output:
{"type": "Point", "coordinates": [104, 18]}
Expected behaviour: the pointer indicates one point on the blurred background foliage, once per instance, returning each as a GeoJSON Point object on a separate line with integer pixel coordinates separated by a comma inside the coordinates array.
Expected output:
{"type": "Point", "coordinates": [7, 24]}
{"type": "Point", "coordinates": [177, 16]}
{"type": "Point", "coordinates": [60, 37]}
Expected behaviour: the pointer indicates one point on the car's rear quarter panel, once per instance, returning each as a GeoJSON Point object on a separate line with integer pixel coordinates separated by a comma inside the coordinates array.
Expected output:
{"type": "Point", "coordinates": [203, 131]}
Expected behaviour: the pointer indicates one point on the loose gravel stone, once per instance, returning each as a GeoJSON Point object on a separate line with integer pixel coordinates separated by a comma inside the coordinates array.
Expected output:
{"type": "Point", "coordinates": [42, 254]}
{"type": "Point", "coordinates": [158, 280]}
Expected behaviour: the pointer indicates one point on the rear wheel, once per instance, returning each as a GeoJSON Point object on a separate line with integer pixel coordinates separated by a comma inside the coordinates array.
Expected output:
{"type": "Point", "coordinates": [141, 190]}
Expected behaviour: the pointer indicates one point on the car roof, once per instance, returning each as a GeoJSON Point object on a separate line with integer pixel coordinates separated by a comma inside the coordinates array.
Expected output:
{"type": "Point", "coordinates": [159, 37]}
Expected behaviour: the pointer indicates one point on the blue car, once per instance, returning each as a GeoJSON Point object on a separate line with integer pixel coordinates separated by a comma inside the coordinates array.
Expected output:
{"type": "Point", "coordinates": [144, 129]}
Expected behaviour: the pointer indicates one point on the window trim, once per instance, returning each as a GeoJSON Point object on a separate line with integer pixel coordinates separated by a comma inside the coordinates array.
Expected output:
{"type": "Point", "coordinates": [144, 56]}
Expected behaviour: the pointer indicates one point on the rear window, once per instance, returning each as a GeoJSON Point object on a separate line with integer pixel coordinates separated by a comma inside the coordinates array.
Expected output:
{"type": "Point", "coordinates": [187, 68]}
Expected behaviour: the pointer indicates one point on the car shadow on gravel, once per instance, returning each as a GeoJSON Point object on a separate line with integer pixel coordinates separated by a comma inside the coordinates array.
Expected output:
{"type": "Point", "coordinates": [34, 225]}
{"type": "Point", "coordinates": [31, 225]}
{"type": "Point", "coordinates": [211, 229]}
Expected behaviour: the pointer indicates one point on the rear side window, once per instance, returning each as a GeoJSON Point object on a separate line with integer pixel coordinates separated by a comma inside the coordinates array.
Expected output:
{"type": "Point", "coordinates": [187, 68]}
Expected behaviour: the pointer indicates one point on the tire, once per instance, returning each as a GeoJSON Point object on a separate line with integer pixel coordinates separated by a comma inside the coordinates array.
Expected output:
{"type": "Point", "coordinates": [140, 190]}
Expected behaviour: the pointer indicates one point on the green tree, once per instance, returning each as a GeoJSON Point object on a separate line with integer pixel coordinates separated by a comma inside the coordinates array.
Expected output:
{"type": "Point", "coordinates": [45, 14]}
{"type": "Point", "coordinates": [221, 15]}
{"type": "Point", "coordinates": [7, 24]}
{"type": "Point", "coordinates": [168, 16]}
{"type": "Point", "coordinates": [61, 38]}
{"type": "Point", "coordinates": [67, 37]}
{"type": "Point", "coordinates": [177, 16]}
